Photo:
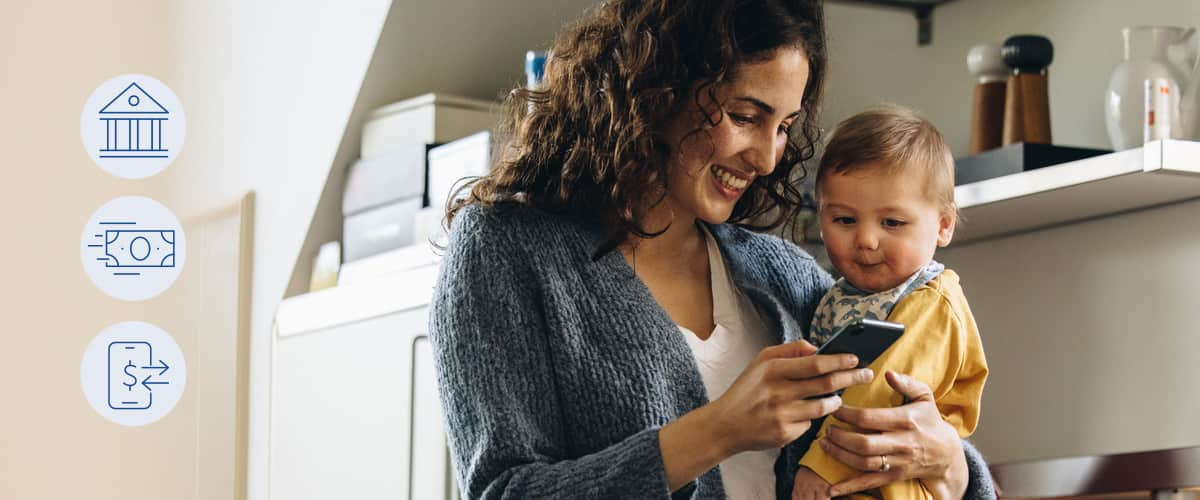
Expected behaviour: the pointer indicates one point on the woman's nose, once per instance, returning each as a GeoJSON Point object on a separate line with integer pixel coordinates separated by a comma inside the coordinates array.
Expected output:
{"type": "Point", "coordinates": [764, 153]}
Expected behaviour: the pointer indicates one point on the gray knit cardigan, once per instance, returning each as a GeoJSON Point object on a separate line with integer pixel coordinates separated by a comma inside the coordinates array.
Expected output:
{"type": "Point", "coordinates": [556, 371]}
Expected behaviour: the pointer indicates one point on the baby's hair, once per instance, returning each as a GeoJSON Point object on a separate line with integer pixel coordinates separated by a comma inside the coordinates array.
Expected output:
{"type": "Point", "coordinates": [897, 139]}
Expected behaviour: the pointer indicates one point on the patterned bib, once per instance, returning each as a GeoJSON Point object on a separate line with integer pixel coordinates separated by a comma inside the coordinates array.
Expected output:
{"type": "Point", "coordinates": [844, 303]}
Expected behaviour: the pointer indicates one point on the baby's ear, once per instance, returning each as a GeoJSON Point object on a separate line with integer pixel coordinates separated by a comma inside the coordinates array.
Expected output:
{"type": "Point", "coordinates": [946, 223]}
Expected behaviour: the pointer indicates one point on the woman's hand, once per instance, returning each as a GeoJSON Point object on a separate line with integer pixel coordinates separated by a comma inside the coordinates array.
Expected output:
{"type": "Point", "coordinates": [766, 407]}
{"type": "Point", "coordinates": [907, 442]}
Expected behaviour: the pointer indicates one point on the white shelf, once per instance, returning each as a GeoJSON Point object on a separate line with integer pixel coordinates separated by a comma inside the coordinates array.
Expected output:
{"type": "Point", "coordinates": [1159, 173]}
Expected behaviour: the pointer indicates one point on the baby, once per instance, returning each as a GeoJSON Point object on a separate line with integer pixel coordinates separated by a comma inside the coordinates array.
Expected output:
{"type": "Point", "coordinates": [885, 196]}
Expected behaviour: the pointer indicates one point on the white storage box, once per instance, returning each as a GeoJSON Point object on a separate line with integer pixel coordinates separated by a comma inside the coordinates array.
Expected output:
{"type": "Point", "coordinates": [451, 163]}
{"type": "Point", "coordinates": [374, 182]}
{"type": "Point", "coordinates": [379, 229]}
{"type": "Point", "coordinates": [428, 119]}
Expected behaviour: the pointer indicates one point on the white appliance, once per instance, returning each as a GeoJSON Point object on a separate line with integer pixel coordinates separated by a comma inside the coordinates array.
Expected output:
{"type": "Point", "coordinates": [354, 405]}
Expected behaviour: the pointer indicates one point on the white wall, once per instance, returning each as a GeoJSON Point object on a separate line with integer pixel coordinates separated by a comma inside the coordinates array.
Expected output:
{"type": "Point", "coordinates": [1090, 328]}
{"type": "Point", "coordinates": [269, 86]}
{"type": "Point", "coordinates": [459, 47]}
{"type": "Point", "coordinates": [276, 92]}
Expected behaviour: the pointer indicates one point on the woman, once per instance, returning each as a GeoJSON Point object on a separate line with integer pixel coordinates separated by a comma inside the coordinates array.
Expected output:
{"type": "Point", "coordinates": [606, 326]}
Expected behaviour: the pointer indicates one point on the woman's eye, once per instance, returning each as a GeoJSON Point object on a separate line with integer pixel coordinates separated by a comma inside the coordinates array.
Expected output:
{"type": "Point", "coordinates": [893, 222]}
{"type": "Point", "coordinates": [843, 220]}
{"type": "Point", "coordinates": [743, 119]}
{"type": "Point", "coordinates": [785, 128]}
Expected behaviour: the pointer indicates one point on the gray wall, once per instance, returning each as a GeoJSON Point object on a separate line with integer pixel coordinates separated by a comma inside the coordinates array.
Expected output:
{"type": "Point", "coordinates": [1090, 329]}
{"type": "Point", "coordinates": [874, 57]}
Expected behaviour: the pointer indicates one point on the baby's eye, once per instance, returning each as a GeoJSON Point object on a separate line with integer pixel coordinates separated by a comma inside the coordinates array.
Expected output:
{"type": "Point", "coordinates": [846, 221]}
{"type": "Point", "coordinates": [893, 222]}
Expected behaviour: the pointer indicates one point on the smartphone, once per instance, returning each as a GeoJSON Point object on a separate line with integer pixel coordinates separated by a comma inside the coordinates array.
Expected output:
{"type": "Point", "coordinates": [865, 338]}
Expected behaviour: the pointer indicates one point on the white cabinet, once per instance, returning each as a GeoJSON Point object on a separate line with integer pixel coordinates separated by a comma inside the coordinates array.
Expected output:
{"type": "Point", "coordinates": [354, 403]}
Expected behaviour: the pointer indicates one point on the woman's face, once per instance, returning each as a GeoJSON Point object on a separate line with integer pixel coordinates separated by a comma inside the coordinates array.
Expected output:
{"type": "Point", "coordinates": [753, 113]}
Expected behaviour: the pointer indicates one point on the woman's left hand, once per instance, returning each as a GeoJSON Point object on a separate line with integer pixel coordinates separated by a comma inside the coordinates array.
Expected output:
{"type": "Point", "coordinates": [907, 442]}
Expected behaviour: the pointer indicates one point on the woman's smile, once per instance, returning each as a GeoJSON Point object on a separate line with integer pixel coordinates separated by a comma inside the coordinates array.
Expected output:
{"type": "Point", "coordinates": [729, 183]}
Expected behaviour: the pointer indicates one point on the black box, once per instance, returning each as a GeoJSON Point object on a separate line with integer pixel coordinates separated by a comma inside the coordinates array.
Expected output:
{"type": "Point", "coordinates": [1016, 158]}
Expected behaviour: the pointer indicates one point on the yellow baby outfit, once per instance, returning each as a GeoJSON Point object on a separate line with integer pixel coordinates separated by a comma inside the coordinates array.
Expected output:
{"type": "Point", "coordinates": [940, 347]}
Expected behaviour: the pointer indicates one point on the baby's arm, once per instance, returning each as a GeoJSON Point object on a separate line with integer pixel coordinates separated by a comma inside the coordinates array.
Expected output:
{"type": "Point", "coordinates": [809, 486]}
{"type": "Point", "coordinates": [949, 351]}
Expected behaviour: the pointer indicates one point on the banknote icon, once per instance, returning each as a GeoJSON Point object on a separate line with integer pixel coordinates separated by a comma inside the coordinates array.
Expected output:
{"type": "Point", "coordinates": [133, 248]}
{"type": "Point", "coordinates": [139, 248]}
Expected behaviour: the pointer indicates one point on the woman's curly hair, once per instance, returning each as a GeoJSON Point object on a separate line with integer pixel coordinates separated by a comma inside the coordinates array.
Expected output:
{"type": "Point", "coordinates": [589, 142]}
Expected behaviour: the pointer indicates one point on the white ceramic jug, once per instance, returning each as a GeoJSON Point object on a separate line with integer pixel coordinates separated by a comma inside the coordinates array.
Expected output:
{"type": "Point", "coordinates": [1146, 59]}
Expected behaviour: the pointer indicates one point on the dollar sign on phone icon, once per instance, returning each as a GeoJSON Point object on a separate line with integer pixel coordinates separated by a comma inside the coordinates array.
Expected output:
{"type": "Point", "coordinates": [124, 390]}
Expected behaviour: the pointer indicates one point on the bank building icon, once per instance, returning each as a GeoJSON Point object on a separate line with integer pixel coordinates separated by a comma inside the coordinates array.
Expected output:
{"type": "Point", "coordinates": [134, 122]}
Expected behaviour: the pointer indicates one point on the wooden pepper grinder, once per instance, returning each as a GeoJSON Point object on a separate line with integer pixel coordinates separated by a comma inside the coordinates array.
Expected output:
{"type": "Point", "coordinates": [1027, 104]}
{"type": "Point", "coordinates": [987, 113]}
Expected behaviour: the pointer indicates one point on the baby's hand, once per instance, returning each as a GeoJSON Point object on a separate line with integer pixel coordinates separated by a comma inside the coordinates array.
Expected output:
{"type": "Point", "coordinates": [809, 486]}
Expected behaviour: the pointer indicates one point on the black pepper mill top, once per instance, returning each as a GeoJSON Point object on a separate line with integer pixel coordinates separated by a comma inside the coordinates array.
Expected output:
{"type": "Point", "coordinates": [1027, 53]}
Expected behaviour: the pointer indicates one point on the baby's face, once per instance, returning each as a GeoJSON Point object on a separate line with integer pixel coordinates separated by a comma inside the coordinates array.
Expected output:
{"type": "Point", "coordinates": [879, 228]}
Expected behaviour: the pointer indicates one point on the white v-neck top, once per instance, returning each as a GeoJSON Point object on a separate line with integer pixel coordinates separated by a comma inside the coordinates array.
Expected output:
{"type": "Point", "coordinates": [739, 335]}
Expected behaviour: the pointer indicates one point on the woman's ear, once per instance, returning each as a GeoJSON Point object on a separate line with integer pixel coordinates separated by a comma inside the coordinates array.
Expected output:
{"type": "Point", "coordinates": [946, 223]}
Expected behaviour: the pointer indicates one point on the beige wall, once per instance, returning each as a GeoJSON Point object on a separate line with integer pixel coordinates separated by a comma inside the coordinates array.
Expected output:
{"type": "Point", "coordinates": [267, 87]}
{"type": "Point", "coordinates": [52, 444]}
{"type": "Point", "coordinates": [1091, 328]}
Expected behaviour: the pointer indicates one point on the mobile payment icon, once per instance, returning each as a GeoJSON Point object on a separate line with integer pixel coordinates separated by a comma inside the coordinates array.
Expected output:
{"type": "Point", "coordinates": [131, 375]}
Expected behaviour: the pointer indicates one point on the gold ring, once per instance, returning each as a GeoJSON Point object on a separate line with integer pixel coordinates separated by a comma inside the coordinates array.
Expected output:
{"type": "Point", "coordinates": [884, 466]}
